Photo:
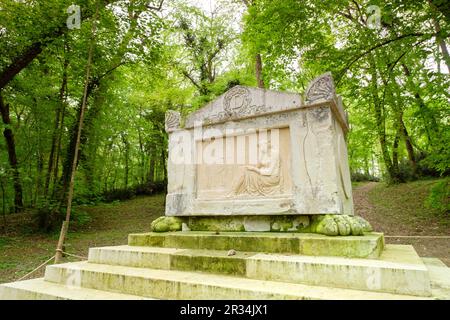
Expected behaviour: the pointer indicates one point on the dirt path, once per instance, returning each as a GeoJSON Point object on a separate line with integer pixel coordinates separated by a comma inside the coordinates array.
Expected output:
{"type": "Point", "coordinates": [382, 208]}
{"type": "Point", "coordinates": [363, 206]}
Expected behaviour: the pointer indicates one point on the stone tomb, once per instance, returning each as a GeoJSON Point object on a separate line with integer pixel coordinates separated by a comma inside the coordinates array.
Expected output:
{"type": "Point", "coordinates": [261, 160]}
{"type": "Point", "coordinates": [298, 146]}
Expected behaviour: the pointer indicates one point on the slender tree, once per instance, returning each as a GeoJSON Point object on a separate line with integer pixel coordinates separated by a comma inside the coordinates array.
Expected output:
{"type": "Point", "coordinates": [12, 155]}
{"type": "Point", "coordinates": [65, 226]}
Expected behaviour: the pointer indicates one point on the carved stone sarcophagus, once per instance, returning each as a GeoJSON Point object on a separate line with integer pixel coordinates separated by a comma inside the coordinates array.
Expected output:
{"type": "Point", "coordinates": [261, 152]}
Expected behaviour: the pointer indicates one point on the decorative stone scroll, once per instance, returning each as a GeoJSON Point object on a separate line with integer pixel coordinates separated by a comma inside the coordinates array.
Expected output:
{"type": "Point", "coordinates": [321, 88]}
{"type": "Point", "coordinates": [237, 100]}
{"type": "Point", "coordinates": [173, 120]}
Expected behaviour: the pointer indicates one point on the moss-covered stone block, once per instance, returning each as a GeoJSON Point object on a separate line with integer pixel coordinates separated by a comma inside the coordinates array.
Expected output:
{"type": "Point", "coordinates": [339, 225]}
{"type": "Point", "coordinates": [212, 262]}
{"type": "Point", "coordinates": [225, 224]}
{"type": "Point", "coordinates": [150, 239]}
{"type": "Point", "coordinates": [329, 225]}
{"type": "Point", "coordinates": [368, 245]}
{"type": "Point", "coordinates": [289, 223]}
{"type": "Point", "coordinates": [167, 224]}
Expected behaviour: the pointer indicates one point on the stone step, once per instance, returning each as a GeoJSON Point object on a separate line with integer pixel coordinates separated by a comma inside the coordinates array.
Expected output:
{"type": "Point", "coordinates": [399, 269]}
{"type": "Point", "coordinates": [368, 246]}
{"type": "Point", "coordinates": [439, 272]}
{"type": "Point", "coordinates": [210, 261]}
{"type": "Point", "coordinates": [440, 277]}
{"type": "Point", "coordinates": [171, 284]}
{"type": "Point", "coordinates": [39, 289]}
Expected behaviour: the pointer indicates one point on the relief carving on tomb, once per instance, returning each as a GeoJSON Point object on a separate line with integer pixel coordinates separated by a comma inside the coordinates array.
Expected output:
{"type": "Point", "coordinates": [316, 125]}
{"type": "Point", "coordinates": [321, 88]}
{"type": "Point", "coordinates": [309, 152]}
{"type": "Point", "coordinates": [236, 100]}
{"type": "Point", "coordinates": [250, 173]}
{"type": "Point", "coordinates": [236, 103]}
{"type": "Point", "coordinates": [262, 179]}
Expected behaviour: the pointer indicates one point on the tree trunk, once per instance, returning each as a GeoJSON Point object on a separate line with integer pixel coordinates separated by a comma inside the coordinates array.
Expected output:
{"type": "Point", "coordinates": [443, 45]}
{"type": "Point", "coordinates": [88, 151]}
{"type": "Point", "coordinates": [58, 150]}
{"type": "Point", "coordinates": [3, 204]}
{"type": "Point", "coordinates": [142, 157]}
{"type": "Point", "coordinates": [40, 169]}
{"type": "Point", "coordinates": [426, 114]}
{"type": "Point", "coordinates": [52, 163]}
{"type": "Point", "coordinates": [92, 113]}
{"type": "Point", "coordinates": [395, 168]}
{"type": "Point", "coordinates": [53, 151]}
{"type": "Point", "coordinates": [380, 123]}
{"type": "Point", "coordinates": [65, 225]}
{"type": "Point", "coordinates": [108, 165]}
{"type": "Point", "coordinates": [259, 70]}
{"type": "Point", "coordinates": [430, 123]}
{"type": "Point", "coordinates": [439, 39]}
{"type": "Point", "coordinates": [12, 156]}
{"type": "Point", "coordinates": [401, 129]}
{"type": "Point", "coordinates": [127, 159]}
{"type": "Point", "coordinates": [71, 147]}
{"type": "Point", "coordinates": [366, 166]}
{"type": "Point", "coordinates": [151, 172]}
{"type": "Point", "coordinates": [408, 144]}
{"type": "Point", "coordinates": [258, 59]}
{"type": "Point", "coordinates": [404, 134]}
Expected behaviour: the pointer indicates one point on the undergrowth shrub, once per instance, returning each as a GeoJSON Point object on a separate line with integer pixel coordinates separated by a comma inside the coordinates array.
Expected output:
{"type": "Point", "coordinates": [439, 197]}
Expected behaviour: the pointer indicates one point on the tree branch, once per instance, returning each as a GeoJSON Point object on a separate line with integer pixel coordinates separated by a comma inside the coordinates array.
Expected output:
{"type": "Point", "coordinates": [31, 52]}
{"type": "Point", "coordinates": [382, 44]}
{"type": "Point", "coordinates": [187, 75]}
{"type": "Point", "coordinates": [156, 8]}
{"type": "Point", "coordinates": [110, 70]}
{"type": "Point", "coordinates": [247, 3]}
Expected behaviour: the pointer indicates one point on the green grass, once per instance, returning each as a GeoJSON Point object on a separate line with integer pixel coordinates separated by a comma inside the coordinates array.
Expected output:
{"type": "Point", "coordinates": [356, 184]}
{"type": "Point", "coordinates": [3, 242]}
{"type": "Point", "coordinates": [7, 265]}
{"type": "Point", "coordinates": [406, 202]}
{"type": "Point", "coordinates": [400, 210]}
{"type": "Point", "coordinates": [102, 225]}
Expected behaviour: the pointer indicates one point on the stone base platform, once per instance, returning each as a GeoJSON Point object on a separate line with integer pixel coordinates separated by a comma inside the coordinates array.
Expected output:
{"type": "Point", "coordinates": [368, 246]}
{"type": "Point", "coordinates": [206, 265]}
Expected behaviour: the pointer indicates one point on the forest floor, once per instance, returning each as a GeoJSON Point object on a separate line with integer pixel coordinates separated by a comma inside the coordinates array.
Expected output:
{"type": "Point", "coordinates": [103, 225]}
{"type": "Point", "coordinates": [396, 211]}
{"type": "Point", "coordinates": [400, 213]}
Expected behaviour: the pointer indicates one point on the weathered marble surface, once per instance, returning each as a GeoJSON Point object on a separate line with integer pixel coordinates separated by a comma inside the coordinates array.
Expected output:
{"type": "Point", "coordinates": [261, 152]}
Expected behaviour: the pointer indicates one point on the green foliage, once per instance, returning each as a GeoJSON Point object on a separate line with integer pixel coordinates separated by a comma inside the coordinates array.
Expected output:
{"type": "Point", "coordinates": [7, 265]}
{"type": "Point", "coordinates": [439, 158]}
{"type": "Point", "coordinates": [391, 76]}
{"type": "Point", "coordinates": [439, 197]}
{"type": "Point", "coordinates": [361, 176]}
{"type": "Point", "coordinates": [3, 242]}
{"type": "Point", "coordinates": [45, 100]}
{"type": "Point", "coordinates": [80, 217]}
